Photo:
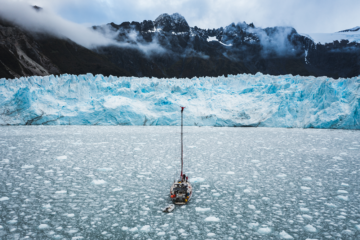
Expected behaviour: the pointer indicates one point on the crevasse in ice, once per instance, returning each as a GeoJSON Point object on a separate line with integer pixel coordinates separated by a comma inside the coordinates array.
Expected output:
{"type": "Point", "coordinates": [241, 100]}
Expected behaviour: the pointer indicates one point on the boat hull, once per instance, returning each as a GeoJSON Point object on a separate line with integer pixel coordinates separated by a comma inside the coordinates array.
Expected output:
{"type": "Point", "coordinates": [182, 192]}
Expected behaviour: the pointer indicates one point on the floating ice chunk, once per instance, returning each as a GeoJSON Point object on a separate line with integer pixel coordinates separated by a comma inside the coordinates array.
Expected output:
{"type": "Point", "coordinates": [61, 192]}
{"type": "Point", "coordinates": [247, 190]}
{"type": "Point", "coordinates": [47, 206]}
{"type": "Point", "coordinates": [27, 166]}
{"type": "Point", "coordinates": [305, 188]}
{"type": "Point", "coordinates": [77, 237]}
{"type": "Point", "coordinates": [104, 169]}
{"type": "Point", "coordinates": [265, 198]}
{"type": "Point", "coordinates": [338, 158]}
{"type": "Point", "coordinates": [285, 235]}
{"type": "Point", "coordinates": [330, 205]}
{"type": "Point", "coordinates": [199, 209]}
{"type": "Point", "coordinates": [197, 180]}
{"type": "Point", "coordinates": [357, 227]}
{"type": "Point", "coordinates": [191, 146]}
{"type": "Point", "coordinates": [281, 175]}
{"type": "Point", "coordinates": [12, 221]}
{"type": "Point", "coordinates": [307, 216]}
{"type": "Point", "coordinates": [264, 230]}
{"type": "Point", "coordinates": [307, 179]}
{"type": "Point", "coordinates": [212, 219]}
{"type": "Point", "coordinates": [161, 233]}
{"type": "Point", "coordinates": [342, 191]}
{"type": "Point", "coordinates": [43, 226]}
{"type": "Point", "coordinates": [61, 157]}
{"type": "Point", "coordinates": [204, 186]}
{"type": "Point", "coordinates": [347, 232]}
{"type": "Point", "coordinates": [98, 182]}
{"type": "Point", "coordinates": [70, 215]}
{"type": "Point", "coordinates": [216, 194]}
{"type": "Point", "coordinates": [253, 225]}
{"type": "Point", "coordinates": [134, 229]}
{"type": "Point", "coordinates": [137, 149]}
{"type": "Point", "coordinates": [145, 208]}
{"type": "Point", "coordinates": [251, 207]}
{"type": "Point", "coordinates": [344, 184]}
{"type": "Point", "coordinates": [117, 189]}
{"type": "Point", "coordinates": [4, 199]}
{"type": "Point", "coordinates": [255, 161]}
{"type": "Point", "coordinates": [310, 228]}
{"type": "Point", "coordinates": [211, 234]}
{"type": "Point", "coordinates": [72, 231]}
{"type": "Point", "coordinates": [124, 228]}
{"type": "Point", "coordinates": [344, 198]}
{"type": "Point", "coordinates": [145, 228]}
{"type": "Point", "coordinates": [304, 209]}
{"type": "Point", "coordinates": [230, 172]}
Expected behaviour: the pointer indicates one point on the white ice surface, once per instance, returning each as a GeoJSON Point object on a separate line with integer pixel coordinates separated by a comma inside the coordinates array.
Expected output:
{"type": "Point", "coordinates": [242, 100]}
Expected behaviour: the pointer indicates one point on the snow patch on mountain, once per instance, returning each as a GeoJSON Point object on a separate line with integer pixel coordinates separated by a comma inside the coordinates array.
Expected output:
{"type": "Point", "coordinates": [210, 39]}
{"type": "Point", "coordinates": [241, 100]}
{"type": "Point", "coordinates": [322, 38]}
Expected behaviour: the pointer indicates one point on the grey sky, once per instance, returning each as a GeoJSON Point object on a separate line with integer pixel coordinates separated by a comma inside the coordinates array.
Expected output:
{"type": "Point", "coordinates": [307, 16]}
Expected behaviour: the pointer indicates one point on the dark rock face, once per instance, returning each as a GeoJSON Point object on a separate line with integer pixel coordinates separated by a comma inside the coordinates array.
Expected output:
{"type": "Point", "coordinates": [174, 22]}
{"type": "Point", "coordinates": [168, 47]}
{"type": "Point", "coordinates": [26, 54]}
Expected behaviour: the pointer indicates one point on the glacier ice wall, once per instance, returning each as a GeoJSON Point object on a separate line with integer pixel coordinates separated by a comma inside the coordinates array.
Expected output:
{"type": "Point", "coordinates": [241, 100]}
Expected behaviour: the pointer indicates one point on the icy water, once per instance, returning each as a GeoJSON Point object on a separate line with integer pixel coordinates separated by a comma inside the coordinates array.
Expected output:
{"type": "Point", "coordinates": [96, 182]}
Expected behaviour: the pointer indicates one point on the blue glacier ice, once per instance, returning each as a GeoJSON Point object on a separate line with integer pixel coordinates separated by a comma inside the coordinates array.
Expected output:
{"type": "Point", "coordinates": [237, 100]}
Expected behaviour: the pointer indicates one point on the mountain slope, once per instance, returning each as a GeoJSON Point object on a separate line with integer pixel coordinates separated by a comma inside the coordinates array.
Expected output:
{"type": "Point", "coordinates": [23, 53]}
{"type": "Point", "coordinates": [169, 47]}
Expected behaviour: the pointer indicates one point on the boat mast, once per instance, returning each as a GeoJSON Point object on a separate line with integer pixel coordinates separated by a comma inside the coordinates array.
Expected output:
{"type": "Point", "coordinates": [182, 110]}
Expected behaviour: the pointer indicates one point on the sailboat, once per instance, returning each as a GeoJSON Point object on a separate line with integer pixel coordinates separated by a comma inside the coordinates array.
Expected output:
{"type": "Point", "coordinates": [181, 190]}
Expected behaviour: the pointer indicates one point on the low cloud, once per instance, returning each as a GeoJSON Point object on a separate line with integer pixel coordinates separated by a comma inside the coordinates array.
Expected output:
{"type": "Point", "coordinates": [47, 21]}
{"type": "Point", "coordinates": [275, 41]}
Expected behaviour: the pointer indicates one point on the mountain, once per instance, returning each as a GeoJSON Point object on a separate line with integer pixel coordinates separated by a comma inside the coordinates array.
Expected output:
{"type": "Point", "coordinates": [169, 47]}
{"type": "Point", "coordinates": [354, 29]}
{"type": "Point", "coordinates": [23, 53]}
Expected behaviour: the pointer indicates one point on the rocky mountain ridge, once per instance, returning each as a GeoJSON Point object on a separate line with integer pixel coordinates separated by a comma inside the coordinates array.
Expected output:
{"type": "Point", "coordinates": [169, 47]}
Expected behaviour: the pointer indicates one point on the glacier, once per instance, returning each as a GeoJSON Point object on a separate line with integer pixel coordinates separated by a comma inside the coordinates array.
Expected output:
{"type": "Point", "coordinates": [242, 100]}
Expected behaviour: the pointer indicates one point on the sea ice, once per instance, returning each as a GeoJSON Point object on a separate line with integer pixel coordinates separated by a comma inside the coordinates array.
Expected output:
{"type": "Point", "coordinates": [310, 228]}
{"type": "Point", "coordinates": [199, 209]}
{"type": "Point", "coordinates": [212, 219]}
{"type": "Point", "coordinates": [341, 197]}
{"type": "Point", "coordinates": [99, 182]}
{"type": "Point", "coordinates": [264, 230]}
{"type": "Point", "coordinates": [96, 211]}
{"type": "Point", "coordinates": [43, 226]}
{"type": "Point", "coordinates": [285, 235]}
{"type": "Point", "coordinates": [145, 228]}
{"type": "Point", "coordinates": [197, 180]}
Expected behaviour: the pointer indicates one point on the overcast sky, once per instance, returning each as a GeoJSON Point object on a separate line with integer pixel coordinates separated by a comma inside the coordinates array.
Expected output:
{"type": "Point", "coordinates": [307, 16]}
